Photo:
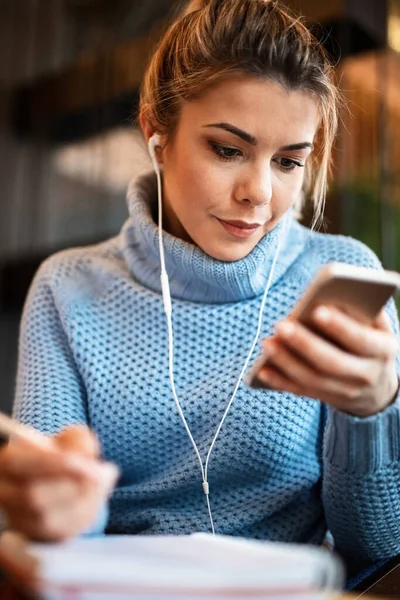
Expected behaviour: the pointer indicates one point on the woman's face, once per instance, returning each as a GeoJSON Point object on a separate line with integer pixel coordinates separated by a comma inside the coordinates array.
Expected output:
{"type": "Point", "coordinates": [236, 164]}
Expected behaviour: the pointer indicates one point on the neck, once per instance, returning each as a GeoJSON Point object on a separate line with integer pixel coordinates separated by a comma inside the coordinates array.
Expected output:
{"type": "Point", "coordinates": [194, 275]}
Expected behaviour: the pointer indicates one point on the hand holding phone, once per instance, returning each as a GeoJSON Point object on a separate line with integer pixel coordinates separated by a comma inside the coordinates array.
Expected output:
{"type": "Point", "coordinates": [359, 291]}
{"type": "Point", "coordinates": [329, 356]}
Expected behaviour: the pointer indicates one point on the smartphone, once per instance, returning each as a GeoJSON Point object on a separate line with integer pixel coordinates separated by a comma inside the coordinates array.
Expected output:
{"type": "Point", "coordinates": [358, 291]}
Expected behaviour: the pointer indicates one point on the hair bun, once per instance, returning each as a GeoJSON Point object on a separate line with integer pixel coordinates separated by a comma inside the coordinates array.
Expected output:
{"type": "Point", "coordinates": [194, 5]}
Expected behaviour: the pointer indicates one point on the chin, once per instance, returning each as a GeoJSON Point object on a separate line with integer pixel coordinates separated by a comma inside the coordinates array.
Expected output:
{"type": "Point", "coordinates": [227, 254]}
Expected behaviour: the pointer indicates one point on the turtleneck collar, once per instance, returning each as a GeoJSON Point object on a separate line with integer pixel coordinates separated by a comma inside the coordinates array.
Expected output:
{"type": "Point", "coordinates": [193, 274]}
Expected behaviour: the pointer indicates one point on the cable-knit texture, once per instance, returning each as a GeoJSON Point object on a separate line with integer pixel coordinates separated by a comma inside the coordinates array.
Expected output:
{"type": "Point", "coordinates": [94, 349]}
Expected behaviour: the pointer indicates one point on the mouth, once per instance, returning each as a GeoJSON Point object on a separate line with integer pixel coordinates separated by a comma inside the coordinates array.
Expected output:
{"type": "Point", "coordinates": [239, 229]}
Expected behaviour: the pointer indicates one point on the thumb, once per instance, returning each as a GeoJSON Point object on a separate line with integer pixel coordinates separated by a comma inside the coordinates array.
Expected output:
{"type": "Point", "coordinates": [382, 321]}
{"type": "Point", "coordinates": [79, 439]}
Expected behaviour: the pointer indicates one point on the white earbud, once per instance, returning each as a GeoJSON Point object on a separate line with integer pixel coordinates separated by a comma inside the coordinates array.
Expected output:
{"type": "Point", "coordinates": [154, 141]}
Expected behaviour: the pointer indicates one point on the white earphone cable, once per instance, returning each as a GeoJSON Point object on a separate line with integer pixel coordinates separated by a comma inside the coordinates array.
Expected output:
{"type": "Point", "coordinates": [168, 311]}
{"type": "Point", "coordinates": [260, 316]}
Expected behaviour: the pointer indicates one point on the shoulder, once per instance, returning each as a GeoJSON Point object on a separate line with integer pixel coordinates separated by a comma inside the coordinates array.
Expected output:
{"type": "Point", "coordinates": [78, 269]}
{"type": "Point", "coordinates": [325, 248]}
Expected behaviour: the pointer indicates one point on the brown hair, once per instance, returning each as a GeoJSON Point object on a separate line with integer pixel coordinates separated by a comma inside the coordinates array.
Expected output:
{"type": "Point", "coordinates": [216, 38]}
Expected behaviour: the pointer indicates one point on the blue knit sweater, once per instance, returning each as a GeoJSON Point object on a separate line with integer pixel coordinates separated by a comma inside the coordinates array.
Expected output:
{"type": "Point", "coordinates": [94, 349]}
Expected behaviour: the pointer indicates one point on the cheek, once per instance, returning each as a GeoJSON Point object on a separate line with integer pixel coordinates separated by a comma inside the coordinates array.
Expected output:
{"type": "Point", "coordinates": [200, 186]}
{"type": "Point", "coordinates": [287, 191]}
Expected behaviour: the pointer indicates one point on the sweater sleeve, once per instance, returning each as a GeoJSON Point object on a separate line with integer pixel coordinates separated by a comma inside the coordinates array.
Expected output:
{"type": "Point", "coordinates": [361, 484]}
{"type": "Point", "coordinates": [50, 394]}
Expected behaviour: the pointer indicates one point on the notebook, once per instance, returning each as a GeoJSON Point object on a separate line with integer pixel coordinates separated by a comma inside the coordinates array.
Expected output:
{"type": "Point", "coordinates": [171, 567]}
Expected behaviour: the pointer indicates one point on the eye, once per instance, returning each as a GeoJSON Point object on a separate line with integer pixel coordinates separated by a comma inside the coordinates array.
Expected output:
{"type": "Point", "coordinates": [225, 152]}
{"type": "Point", "coordinates": [287, 164]}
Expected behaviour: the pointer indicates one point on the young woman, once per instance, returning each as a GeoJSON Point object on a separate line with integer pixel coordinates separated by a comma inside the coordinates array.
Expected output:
{"type": "Point", "coordinates": [243, 103]}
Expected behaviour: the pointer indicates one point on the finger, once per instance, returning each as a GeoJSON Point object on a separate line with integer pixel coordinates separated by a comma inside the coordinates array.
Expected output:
{"type": "Point", "coordinates": [47, 528]}
{"type": "Point", "coordinates": [80, 443]}
{"type": "Point", "coordinates": [28, 501]}
{"type": "Point", "coordinates": [286, 362]}
{"type": "Point", "coordinates": [46, 495]}
{"type": "Point", "coordinates": [64, 523]}
{"type": "Point", "coordinates": [10, 495]}
{"type": "Point", "coordinates": [271, 378]}
{"type": "Point", "coordinates": [57, 508]}
{"type": "Point", "coordinates": [358, 338]}
{"type": "Point", "coordinates": [68, 513]}
{"type": "Point", "coordinates": [383, 322]}
{"type": "Point", "coordinates": [80, 439]}
{"type": "Point", "coordinates": [308, 381]}
{"type": "Point", "coordinates": [346, 401]}
{"type": "Point", "coordinates": [68, 521]}
{"type": "Point", "coordinates": [323, 356]}
{"type": "Point", "coordinates": [36, 498]}
{"type": "Point", "coordinates": [22, 461]}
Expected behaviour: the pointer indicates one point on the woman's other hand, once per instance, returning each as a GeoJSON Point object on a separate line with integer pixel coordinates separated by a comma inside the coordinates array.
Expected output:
{"type": "Point", "coordinates": [357, 376]}
{"type": "Point", "coordinates": [54, 494]}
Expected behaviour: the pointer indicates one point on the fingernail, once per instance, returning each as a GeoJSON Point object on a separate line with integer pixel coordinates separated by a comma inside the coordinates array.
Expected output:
{"type": "Point", "coordinates": [266, 348]}
{"type": "Point", "coordinates": [77, 462]}
{"type": "Point", "coordinates": [83, 465]}
{"type": "Point", "coordinates": [322, 314]}
{"type": "Point", "coordinates": [110, 474]}
{"type": "Point", "coordinates": [285, 329]}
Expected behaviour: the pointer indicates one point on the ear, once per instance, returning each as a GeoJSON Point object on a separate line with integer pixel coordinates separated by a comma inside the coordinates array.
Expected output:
{"type": "Point", "coordinates": [147, 126]}
{"type": "Point", "coordinates": [147, 123]}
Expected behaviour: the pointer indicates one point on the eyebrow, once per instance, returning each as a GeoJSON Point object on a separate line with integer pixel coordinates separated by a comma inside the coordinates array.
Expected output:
{"type": "Point", "coordinates": [250, 139]}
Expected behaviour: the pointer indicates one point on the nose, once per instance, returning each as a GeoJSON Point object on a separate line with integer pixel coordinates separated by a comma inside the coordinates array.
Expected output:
{"type": "Point", "coordinates": [256, 187]}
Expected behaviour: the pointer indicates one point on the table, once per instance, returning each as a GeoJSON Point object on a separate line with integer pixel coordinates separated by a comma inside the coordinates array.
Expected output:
{"type": "Point", "coordinates": [385, 582]}
{"type": "Point", "coordinates": [7, 592]}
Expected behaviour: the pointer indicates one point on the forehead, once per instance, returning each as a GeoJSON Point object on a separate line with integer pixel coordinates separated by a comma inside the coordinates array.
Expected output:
{"type": "Point", "coordinates": [260, 107]}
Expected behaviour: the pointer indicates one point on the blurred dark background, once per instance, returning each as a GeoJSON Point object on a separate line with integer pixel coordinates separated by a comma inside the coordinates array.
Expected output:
{"type": "Point", "coordinates": [69, 77]}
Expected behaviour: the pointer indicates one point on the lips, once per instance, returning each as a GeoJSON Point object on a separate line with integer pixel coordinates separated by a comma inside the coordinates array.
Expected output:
{"type": "Point", "coordinates": [239, 229]}
{"type": "Point", "coordinates": [242, 224]}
